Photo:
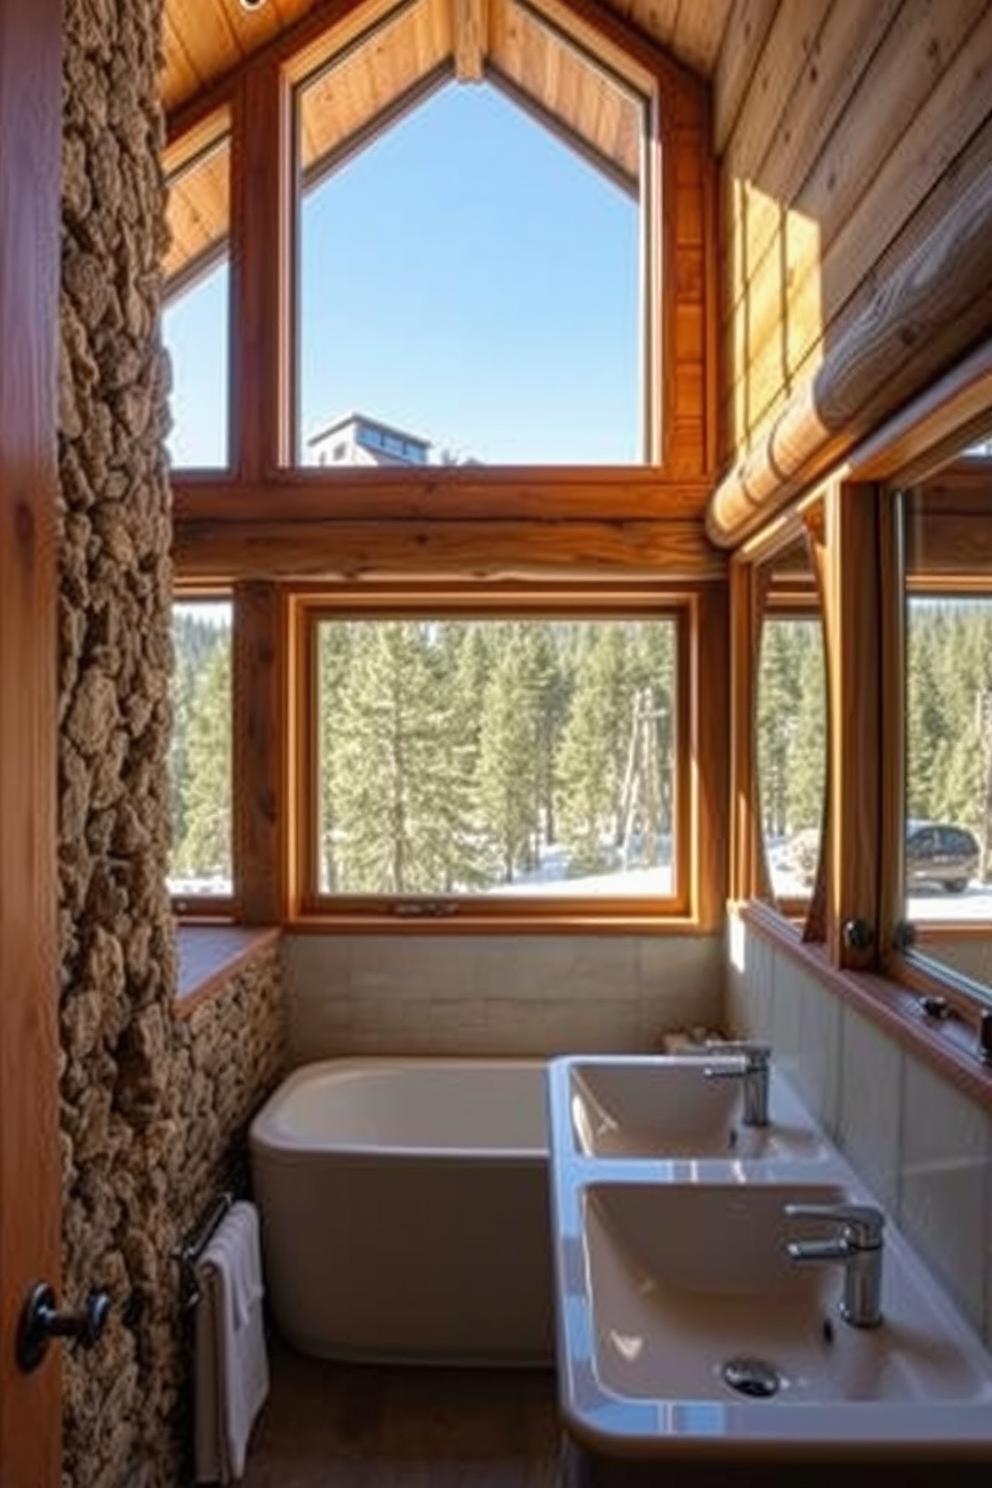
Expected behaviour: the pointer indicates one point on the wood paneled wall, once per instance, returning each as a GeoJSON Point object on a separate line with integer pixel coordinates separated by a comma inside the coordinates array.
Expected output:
{"type": "Point", "coordinates": [848, 131]}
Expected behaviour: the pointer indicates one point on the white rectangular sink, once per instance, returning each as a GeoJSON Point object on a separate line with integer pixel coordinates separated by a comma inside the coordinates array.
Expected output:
{"type": "Point", "coordinates": [683, 1281]}
{"type": "Point", "coordinates": [669, 1107]}
{"type": "Point", "coordinates": [683, 1320]}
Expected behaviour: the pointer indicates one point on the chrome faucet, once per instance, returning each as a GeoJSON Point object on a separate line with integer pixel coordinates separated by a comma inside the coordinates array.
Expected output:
{"type": "Point", "coordinates": [858, 1247]}
{"type": "Point", "coordinates": [749, 1063]}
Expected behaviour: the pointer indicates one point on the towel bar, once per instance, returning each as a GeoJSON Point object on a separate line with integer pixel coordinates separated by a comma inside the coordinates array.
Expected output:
{"type": "Point", "coordinates": [188, 1251]}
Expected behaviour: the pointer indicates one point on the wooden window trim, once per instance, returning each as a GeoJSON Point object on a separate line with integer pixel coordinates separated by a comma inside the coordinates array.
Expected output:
{"type": "Point", "coordinates": [752, 595]}
{"type": "Point", "coordinates": [679, 206]}
{"type": "Point", "coordinates": [698, 905]}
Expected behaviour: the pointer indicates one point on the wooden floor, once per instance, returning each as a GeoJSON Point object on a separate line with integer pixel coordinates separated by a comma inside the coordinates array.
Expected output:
{"type": "Point", "coordinates": [330, 1425]}
{"type": "Point", "coordinates": [351, 1426]}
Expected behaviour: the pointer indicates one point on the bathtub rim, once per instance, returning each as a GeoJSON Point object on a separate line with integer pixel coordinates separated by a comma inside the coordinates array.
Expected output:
{"type": "Point", "coordinates": [267, 1142]}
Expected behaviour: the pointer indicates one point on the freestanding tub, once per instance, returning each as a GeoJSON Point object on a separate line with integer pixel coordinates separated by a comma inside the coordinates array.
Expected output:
{"type": "Point", "coordinates": [405, 1210]}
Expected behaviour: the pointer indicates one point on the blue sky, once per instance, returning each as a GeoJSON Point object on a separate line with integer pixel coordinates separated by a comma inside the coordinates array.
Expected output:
{"type": "Point", "coordinates": [466, 277]}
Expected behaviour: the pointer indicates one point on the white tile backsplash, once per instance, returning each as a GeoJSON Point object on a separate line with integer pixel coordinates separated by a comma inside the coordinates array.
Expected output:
{"type": "Point", "coordinates": [819, 1050]}
{"type": "Point", "coordinates": [496, 994]}
{"type": "Point", "coordinates": [943, 1183]}
{"type": "Point", "coordinates": [870, 1105]}
{"type": "Point", "coordinates": [922, 1148]}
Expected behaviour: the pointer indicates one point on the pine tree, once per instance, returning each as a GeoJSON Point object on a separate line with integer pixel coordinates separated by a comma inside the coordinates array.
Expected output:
{"type": "Point", "coordinates": [387, 763]}
{"type": "Point", "coordinates": [594, 749]}
{"type": "Point", "coordinates": [807, 752]}
{"type": "Point", "coordinates": [205, 848]}
{"type": "Point", "coordinates": [508, 771]}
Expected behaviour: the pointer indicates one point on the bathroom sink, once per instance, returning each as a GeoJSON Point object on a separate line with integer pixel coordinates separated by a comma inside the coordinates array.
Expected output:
{"type": "Point", "coordinates": [686, 1279]}
{"type": "Point", "coordinates": [668, 1107]}
{"type": "Point", "coordinates": [685, 1319]}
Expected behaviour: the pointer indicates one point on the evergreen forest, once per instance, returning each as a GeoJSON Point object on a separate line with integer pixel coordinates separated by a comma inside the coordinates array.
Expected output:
{"type": "Point", "coordinates": [475, 755]}
{"type": "Point", "coordinates": [948, 727]}
{"type": "Point", "coordinates": [460, 756]}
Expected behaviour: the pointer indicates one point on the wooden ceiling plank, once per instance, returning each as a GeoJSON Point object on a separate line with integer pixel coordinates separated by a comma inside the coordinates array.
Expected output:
{"type": "Point", "coordinates": [747, 26]}
{"type": "Point", "coordinates": [212, 44]}
{"type": "Point", "coordinates": [180, 78]}
{"type": "Point", "coordinates": [470, 22]}
{"type": "Point", "coordinates": [699, 30]}
{"type": "Point", "coordinates": [656, 18]}
{"type": "Point", "coordinates": [328, 159]}
{"type": "Point", "coordinates": [615, 169]}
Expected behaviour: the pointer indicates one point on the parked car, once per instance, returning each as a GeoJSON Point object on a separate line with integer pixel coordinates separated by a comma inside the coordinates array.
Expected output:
{"type": "Point", "coordinates": [941, 853]}
{"type": "Point", "coordinates": [936, 853]}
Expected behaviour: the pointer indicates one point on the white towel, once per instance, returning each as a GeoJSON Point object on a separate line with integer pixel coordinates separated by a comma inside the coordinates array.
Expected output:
{"type": "Point", "coordinates": [231, 1364]}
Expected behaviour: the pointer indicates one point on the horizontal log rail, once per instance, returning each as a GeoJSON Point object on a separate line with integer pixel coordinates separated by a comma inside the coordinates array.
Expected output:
{"type": "Point", "coordinates": [305, 549]}
{"type": "Point", "coordinates": [930, 313]}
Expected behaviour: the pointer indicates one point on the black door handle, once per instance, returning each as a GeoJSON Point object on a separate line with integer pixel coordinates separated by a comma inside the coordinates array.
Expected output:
{"type": "Point", "coordinates": [41, 1321]}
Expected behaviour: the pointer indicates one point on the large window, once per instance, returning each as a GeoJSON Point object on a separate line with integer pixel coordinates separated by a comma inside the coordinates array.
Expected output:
{"type": "Point", "coordinates": [791, 749]}
{"type": "Point", "coordinates": [473, 274]}
{"type": "Point", "coordinates": [195, 320]}
{"type": "Point", "coordinates": [947, 822]}
{"type": "Point", "coordinates": [482, 758]}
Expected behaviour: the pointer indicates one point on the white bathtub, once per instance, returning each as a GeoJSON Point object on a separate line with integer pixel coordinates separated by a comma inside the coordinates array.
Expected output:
{"type": "Point", "coordinates": [404, 1207]}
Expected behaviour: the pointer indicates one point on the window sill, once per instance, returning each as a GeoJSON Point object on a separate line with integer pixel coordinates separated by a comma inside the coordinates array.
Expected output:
{"type": "Point", "coordinates": [210, 955]}
{"type": "Point", "coordinates": [949, 1046]}
{"type": "Point", "coordinates": [466, 923]}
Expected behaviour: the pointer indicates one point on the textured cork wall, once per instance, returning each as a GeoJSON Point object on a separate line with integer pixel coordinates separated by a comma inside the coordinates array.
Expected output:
{"type": "Point", "coordinates": [151, 1104]}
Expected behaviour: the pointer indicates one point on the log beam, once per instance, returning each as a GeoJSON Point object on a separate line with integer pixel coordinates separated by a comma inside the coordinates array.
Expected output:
{"type": "Point", "coordinates": [928, 314]}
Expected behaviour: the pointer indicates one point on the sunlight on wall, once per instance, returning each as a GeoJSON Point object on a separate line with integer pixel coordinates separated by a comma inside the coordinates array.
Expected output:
{"type": "Point", "coordinates": [774, 320]}
{"type": "Point", "coordinates": [737, 943]}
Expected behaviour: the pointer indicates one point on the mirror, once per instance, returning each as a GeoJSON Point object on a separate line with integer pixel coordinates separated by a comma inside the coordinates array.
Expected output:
{"type": "Point", "coordinates": [947, 845]}
{"type": "Point", "coordinates": [791, 725]}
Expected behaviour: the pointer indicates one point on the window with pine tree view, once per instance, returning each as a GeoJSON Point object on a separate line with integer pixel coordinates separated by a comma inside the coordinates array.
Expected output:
{"type": "Point", "coordinates": [469, 288]}
{"type": "Point", "coordinates": [948, 843]}
{"type": "Point", "coordinates": [484, 756]}
{"type": "Point", "coordinates": [791, 749]}
{"type": "Point", "coordinates": [200, 753]}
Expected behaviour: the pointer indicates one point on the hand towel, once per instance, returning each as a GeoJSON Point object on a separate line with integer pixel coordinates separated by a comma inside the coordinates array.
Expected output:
{"type": "Point", "coordinates": [231, 1364]}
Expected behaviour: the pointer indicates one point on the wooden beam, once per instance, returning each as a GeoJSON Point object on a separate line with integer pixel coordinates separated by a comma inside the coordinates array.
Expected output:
{"type": "Point", "coordinates": [449, 493]}
{"type": "Point", "coordinates": [268, 549]}
{"type": "Point", "coordinates": [470, 24]}
{"type": "Point", "coordinates": [260, 277]}
{"type": "Point", "coordinates": [259, 730]}
{"type": "Point", "coordinates": [710, 731]}
{"type": "Point", "coordinates": [929, 312]}
{"type": "Point", "coordinates": [854, 681]}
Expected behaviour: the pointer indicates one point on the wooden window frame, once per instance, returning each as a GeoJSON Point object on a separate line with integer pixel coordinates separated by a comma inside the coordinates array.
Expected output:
{"type": "Point", "coordinates": [268, 530]}
{"type": "Point", "coordinates": [860, 563]}
{"type": "Point", "coordinates": [641, 84]}
{"type": "Point", "coordinates": [680, 208]}
{"type": "Point", "coordinates": [911, 967]}
{"type": "Point", "coordinates": [694, 905]}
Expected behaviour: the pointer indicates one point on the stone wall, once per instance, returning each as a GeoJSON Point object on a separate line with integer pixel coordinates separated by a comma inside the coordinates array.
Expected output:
{"type": "Point", "coordinates": [118, 955]}
{"type": "Point", "coordinates": [151, 1104]}
{"type": "Point", "coordinates": [230, 1052]}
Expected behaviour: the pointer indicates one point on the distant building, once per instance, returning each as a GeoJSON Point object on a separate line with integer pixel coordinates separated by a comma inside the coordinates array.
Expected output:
{"type": "Point", "coordinates": [357, 440]}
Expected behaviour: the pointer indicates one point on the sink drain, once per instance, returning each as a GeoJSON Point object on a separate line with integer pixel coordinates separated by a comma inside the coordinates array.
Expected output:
{"type": "Point", "coordinates": [750, 1376]}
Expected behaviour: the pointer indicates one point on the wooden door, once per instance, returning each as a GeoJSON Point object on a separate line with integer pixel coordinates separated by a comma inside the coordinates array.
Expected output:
{"type": "Point", "coordinates": [30, 1218]}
